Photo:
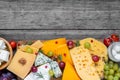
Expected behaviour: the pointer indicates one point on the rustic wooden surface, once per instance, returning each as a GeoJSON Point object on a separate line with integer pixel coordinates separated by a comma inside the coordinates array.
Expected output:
{"type": "Point", "coordinates": [47, 19]}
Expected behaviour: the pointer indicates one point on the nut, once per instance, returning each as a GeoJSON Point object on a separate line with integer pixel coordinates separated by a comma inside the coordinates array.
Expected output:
{"type": "Point", "coordinates": [22, 61]}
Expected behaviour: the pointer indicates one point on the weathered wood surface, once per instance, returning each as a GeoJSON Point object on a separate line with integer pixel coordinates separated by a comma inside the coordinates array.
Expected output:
{"type": "Point", "coordinates": [47, 19]}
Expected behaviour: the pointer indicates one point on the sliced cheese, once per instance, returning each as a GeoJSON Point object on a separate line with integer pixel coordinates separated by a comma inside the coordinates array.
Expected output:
{"type": "Point", "coordinates": [84, 64]}
{"type": "Point", "coordinates": [70, 73]}
{"type": "Point", "coordinates": [99, 49]}
{"type": "Point", "coordinates": [21, 63]}
{"type": "Point", "coordinates": [37, 44]}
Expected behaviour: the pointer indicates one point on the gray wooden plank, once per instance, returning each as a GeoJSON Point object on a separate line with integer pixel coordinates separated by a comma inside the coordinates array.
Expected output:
{"type": "Point", "coordinates": [65, 14]}
{"type": "Point", "coordinates": [50, 34]}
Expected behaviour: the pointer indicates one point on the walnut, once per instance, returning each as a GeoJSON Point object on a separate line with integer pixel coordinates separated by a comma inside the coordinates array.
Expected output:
{"type": "Point", "coordinates": [22, 61]}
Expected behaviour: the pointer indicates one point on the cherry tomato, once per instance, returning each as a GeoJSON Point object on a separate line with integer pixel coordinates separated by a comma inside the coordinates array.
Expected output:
{"type": "Point", "coordinates": [13, 44]}
{"type": "Point", "coordinates": [115, 37]}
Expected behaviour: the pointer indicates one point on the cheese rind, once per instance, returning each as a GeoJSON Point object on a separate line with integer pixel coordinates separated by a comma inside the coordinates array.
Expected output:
{"type": "Point", "coordinates": [84, 64]}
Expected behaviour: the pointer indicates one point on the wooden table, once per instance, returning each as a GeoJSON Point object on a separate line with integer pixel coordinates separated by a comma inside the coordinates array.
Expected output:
{"type": "Point", "coordinates": [48, 19]}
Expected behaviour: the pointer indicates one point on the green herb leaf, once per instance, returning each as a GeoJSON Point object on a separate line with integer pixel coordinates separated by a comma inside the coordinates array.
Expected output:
{"type": "Point", "coordinates": [77, 43]}
{"type": "Point", "coordinates": [60, 57]}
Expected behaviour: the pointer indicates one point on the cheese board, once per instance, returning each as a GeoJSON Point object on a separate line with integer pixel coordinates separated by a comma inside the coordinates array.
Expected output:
{"type": "Point", "coordinates": [62, 59]}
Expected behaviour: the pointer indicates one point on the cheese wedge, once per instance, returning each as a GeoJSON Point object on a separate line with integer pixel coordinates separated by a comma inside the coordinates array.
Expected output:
{"type": "Point", "coordinates": [64, 52]}
{"type": "Point", "coordinates": [84, 64]}
{"type": "Point", "coordinates": [37, 44]}
{"type": "Point", "coordinates": [99, 49]}
{"type": "Point", "coordinates": [70, 73]}
{"type": "Point", "coordinates": [21, 63]}
{"type": "Point", "coordinates": [51, 45]}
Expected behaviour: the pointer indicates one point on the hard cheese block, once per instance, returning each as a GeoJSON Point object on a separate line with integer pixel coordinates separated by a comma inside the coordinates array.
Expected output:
{"type": "Point", "coordinates": [37, 44]}
{"type": "Point", "coordinates": [51, 45]}
{"type": "Point", "coordinates": [84, 64]}
{"type": "Point", "coordinates": [97, 48]}
{"type": "Point", "coordinates": [64, 52]}
{"type": "Point", "coordinates": [21, 63]}
{"type": "Point", "coordinates": [42, 59]}
{"type": "Point", "coordinates": [41, 74]}
{"type": "Point", "coordinates": [70, 73]}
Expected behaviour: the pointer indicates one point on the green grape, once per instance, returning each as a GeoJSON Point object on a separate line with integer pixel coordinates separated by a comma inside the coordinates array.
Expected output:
{"type": "Point", "coordinates": [51, 73]}
{"type": "Point", "coordinates": [50, 54]}
{"type": "Point", "coordinates": [110, 77]}
{"type": "Point", "coordinates": [106, 72]}
{"type": "Point", "coordinates": [29, 50]}
{"type": "Point", "coordinates": [105, 76]}
{"type": "Point", "coordinates": [116, 78]}
{"type": "Point", "coordinates": [118, 70]}
{"type": "Point", "coordinates": [111, 66]}
{"type": "Point", "coordinates": [115, 67]}
{"type": "Point", "coordinates": [87, 45]}
{"type": "Point", "coordinates": [117, 74]}
{"type": "Point", "coordinates": [111, 62]}
{"type": "Point", "coordinates": [106, 67]}
{"type": "Point", "coordinates": [111, 71]}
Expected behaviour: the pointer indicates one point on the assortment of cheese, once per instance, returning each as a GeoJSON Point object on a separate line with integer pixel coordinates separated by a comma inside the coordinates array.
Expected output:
{"type": "Point", "coordinates": [4, 53]}
{"type": "Point", "coordinates": [78, 60]}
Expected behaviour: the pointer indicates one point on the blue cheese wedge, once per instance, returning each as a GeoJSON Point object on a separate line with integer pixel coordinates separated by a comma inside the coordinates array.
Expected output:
{"type": "Point", "coordinates": [4, 55]}
{"type": "Point", "coordinates": [42, 59]}
{"type": "Point", "coordinates": [55, 67]}
{"type": "Point", "coordinates": [41, 74]}
{"type": "Point", "coordinates": [2, 44]}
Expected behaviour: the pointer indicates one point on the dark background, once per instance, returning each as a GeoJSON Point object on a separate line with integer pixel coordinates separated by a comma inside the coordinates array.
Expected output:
{"type": "Point", "coordinates": [47, 19]}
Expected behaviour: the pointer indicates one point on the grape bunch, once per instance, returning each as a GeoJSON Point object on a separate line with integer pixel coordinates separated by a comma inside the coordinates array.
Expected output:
{"type": "Point", "coordinates": [111, 71]}
{"type": "Point", "coordinates": [6, 75]}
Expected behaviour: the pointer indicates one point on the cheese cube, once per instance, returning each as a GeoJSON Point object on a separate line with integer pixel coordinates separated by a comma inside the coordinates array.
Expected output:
{"type": "Point", "coordinates": [4, 55]}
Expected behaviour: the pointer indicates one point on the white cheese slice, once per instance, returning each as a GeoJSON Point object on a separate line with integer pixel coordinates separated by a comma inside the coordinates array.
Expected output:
{"type": "Point", "coordinates": [2, 44]}
{"type": "Point", "coordinates": [41, 74]}
{"type": "Point", "coordinates": [4, 55]}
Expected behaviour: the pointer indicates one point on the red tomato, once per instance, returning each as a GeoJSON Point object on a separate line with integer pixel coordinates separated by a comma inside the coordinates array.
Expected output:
{"type": "Point", "coordinates": [13, 44]}
{"type": "Point", "coordinates": [115, 37]}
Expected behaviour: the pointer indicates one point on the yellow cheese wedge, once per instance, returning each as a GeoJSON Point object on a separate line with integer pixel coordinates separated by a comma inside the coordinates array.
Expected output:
{"type": "Point", "coordinates": [64, 52]}
{"type": "Point", "coordinates": [84, 64]}
{"type": "Point", "coordinates": [21, 63]}
{"type": "Point", "coordinates": [24, 47]}
{"type": "Point", "coordinates": [37, 44]}
{"type": "Point", "coordinates": [51, 45]}
{"type": "Point", "coordinates": [97, 48]}
{"type": "Point", "coordinates": [70, 73]}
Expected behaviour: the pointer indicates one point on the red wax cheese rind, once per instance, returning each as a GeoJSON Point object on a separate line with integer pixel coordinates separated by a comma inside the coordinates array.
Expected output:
{"type": "Point", "coordinates": [21, 63]}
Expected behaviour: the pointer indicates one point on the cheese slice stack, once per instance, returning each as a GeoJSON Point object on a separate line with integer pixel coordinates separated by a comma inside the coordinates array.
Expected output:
{"type": "Point", "coordinates": [84, 64]}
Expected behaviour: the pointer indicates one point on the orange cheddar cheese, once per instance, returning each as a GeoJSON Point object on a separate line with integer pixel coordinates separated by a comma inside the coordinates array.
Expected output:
{"type": "Point", "coordinates": [69, 73]}
{"type": "Point", "coordinates": [64, 52]}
